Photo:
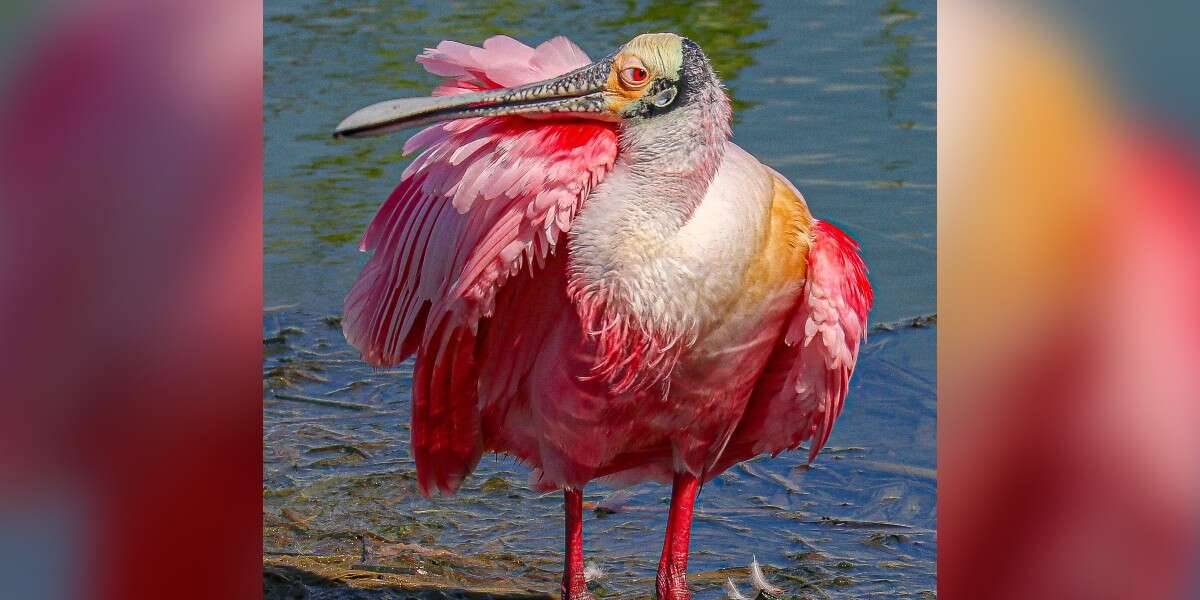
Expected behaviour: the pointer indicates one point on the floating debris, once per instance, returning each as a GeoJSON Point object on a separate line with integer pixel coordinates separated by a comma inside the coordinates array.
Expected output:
{"type": "Point", "coordinates": [732, 592]}
{"type": "Point", "coordinates": [319, 430]}
{"type": "Point", "coordinates": [885, 540]}
{"type": "Point", "coordinates": [390, 550]}
{"type": "Point", "coordinates": [322, 401]}
{"type": "Point", "coordinates": [294, 517]}
{"type": "Point", "coordinates": [387, 569]}
{"type": "Point", "coordinates": [918, 322]}
{"type": "Point", "coordinates": [787, 484]}
{"type": "Point", "coordinates": [613, 503]}
{"type": "Point", "coordinates": [346, 448]}
{"type": "Point", "coordinates": [494, 484]}
{"type": "Point", "coordinates": [860, 524]}
{"type": "Point", "coordinates": [910, 470]}
{"type": "Point", "coordinates": [353, 385]}
{"type": "Point", "coordinates": [759, 581]}
{"type": "Point", "coordinates": [280, 337]}
{"type": "Point", "coordinates": [289, 373]}
{"type": "Point", "coordinates": [592, 572]}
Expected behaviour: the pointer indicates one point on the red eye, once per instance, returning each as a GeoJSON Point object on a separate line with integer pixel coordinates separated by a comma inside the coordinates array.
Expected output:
{"type": "Point", "coordinates": [635, 75]}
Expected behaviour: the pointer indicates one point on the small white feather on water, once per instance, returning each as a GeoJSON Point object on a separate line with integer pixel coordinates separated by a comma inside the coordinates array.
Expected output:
{"type": "Point", "coordinates": [758, 580]}
{"type": "Point", "coordinates": [592, 572]}
{"type": "Point", "coordinates": [732, 592]}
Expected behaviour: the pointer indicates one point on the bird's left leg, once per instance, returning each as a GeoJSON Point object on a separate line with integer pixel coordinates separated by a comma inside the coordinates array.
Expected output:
{"type": "Point", "coordinates": [672, 567]}
{"type": "Point", "coordinates": [574, 585]}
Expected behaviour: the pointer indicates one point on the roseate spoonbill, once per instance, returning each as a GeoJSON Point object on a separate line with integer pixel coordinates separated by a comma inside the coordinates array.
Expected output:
{"type": "Point", "coordinates": [595, 280]}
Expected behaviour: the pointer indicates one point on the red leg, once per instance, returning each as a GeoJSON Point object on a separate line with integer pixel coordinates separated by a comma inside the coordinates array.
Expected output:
{"type": "Point", "coordinates": [574, 587]}
{"type": "Point", "coordinates": [672, 568]}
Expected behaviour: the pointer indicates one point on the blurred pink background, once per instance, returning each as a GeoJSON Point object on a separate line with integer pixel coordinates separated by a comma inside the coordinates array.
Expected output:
{"type": "Point", "coordinates": [130, 297]}
{"type": "Point", "coordinates": [1069, 301]}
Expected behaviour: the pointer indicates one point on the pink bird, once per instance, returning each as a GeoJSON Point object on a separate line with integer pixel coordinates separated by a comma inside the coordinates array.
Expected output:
{"type": "Point", "coordinates": [595, 280]}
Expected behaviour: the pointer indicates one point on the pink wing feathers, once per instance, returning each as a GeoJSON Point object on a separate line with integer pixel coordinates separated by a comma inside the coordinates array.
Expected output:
{"type": "Point", "coordinates": [801, 391]}
{"type": "Point", "coordinates": [486, 199]}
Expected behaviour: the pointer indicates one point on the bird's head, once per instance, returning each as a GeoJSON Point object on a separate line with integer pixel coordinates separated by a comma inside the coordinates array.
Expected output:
{"type": "Point", "coordinates": [652, 75]}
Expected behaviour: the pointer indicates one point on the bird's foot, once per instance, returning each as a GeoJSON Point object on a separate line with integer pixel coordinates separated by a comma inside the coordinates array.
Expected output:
{"type": "Point", "coordinates": [673, 593]}
{"type": "Point", "coordinates": [578, 594]}
{"type": "Point", "coordinates": [763, 588]}
{"type": "Point", "coordinates": [671, 584]}
{"type": "Point", "coordinates": [576, 589]}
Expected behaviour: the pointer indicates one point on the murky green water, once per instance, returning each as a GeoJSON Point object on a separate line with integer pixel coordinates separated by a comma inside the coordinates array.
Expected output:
{"type": "Point", "coordinates": [838, 96]}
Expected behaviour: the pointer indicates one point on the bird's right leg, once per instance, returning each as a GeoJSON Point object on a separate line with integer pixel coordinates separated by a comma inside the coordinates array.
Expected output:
{"type": "Point", "coordinates": [574, 585]}
{"type": "Point", "coordinates": [671, 583]}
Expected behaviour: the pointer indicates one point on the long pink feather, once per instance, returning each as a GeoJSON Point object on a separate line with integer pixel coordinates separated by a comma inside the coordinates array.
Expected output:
{"type": "Point", "coordinates": [486, 199]}
{"type": "Point", "coordinates": [803, 387]}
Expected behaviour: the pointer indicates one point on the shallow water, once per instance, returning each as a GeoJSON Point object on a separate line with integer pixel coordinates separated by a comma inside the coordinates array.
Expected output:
{"type": "Point", "coordinates": [839, 97]}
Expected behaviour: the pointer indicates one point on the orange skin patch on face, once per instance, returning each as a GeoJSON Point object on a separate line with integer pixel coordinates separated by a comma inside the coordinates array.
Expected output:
{"type": "Point", "coordinates": [617, 94]}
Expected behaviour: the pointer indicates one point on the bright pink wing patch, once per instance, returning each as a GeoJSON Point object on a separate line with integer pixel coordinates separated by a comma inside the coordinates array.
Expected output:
{"type": "Point", "coordinates": [803, 387]}
{"type": "Point", "coordinates": [485, 200]}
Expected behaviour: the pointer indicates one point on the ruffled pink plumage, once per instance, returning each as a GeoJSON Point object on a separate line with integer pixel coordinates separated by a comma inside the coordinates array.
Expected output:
{"type": "Point", "coordinates": [485, 200]}
{"type": "Point", "coordinates": [803, 388]}
{"type": "Point", "coordinates": [469, 274]}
